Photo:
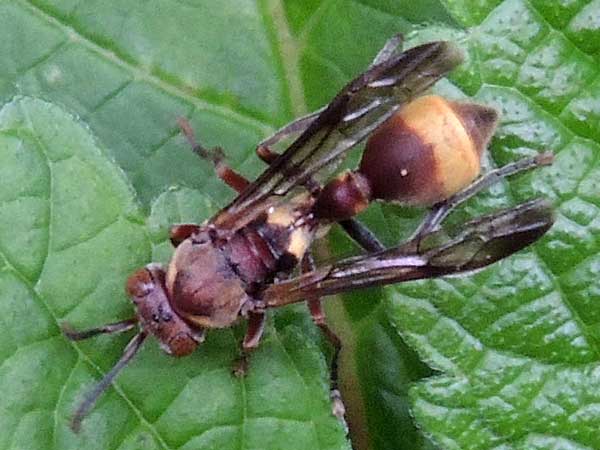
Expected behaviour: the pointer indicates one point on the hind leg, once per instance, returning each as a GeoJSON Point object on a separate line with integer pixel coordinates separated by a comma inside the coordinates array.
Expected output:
{"type": "Point", "coordinates": [256, 327]}
{"type": "Point", "coordinates": [318, 315]}
{"type": "Point", "coordinates": [440, 211]}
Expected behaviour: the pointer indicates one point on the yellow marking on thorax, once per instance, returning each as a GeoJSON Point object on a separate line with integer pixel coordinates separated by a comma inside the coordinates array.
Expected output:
{"type": "Point", "coordinates": [300, 240]}
{"type": "Point", "coordinates": [173, 264]}
{"type": "Point", "coordinates": [285, 215]}
{"type": "Point", "coordinates": [201, 321]}
{"type": "Point", "coordinates": [280, 216]}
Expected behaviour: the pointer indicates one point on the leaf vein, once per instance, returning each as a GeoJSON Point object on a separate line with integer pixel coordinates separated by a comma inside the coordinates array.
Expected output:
{"type": "Point", "coordinates": [119, 59]}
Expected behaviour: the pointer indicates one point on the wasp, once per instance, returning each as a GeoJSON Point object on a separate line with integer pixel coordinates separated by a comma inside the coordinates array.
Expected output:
{"type": "Point", "coordinates": [420, 150]}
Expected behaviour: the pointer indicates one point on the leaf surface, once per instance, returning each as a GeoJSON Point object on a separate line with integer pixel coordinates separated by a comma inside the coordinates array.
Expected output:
{"type": "Point", "coordinates": [87, 196]}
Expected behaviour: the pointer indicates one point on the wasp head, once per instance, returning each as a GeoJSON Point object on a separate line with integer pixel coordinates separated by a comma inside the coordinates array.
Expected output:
{"type": "Point", "coordinates": [146, 287]}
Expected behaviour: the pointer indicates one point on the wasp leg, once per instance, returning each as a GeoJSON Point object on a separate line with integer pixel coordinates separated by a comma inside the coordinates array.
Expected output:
{"type": "Point", "coordinates": [265, 153]}
{"type": "Point", "coordinates": [180, 232]}
{"type": "Point", "coordinates": [362, 235]}
{"type": "Point", "coordinates": [117, 327]}
{"type": "Point", "coordinates": [392, 46]}
{"type": "Point", "coordinates": [297, 126]}
{"type": "Point", "coordinates": [318, 315]}
{"type": "Point", "coordinates": [256, 327]}
{"type": "Point", "coordinates": [440, 211]}
{"type": "Point", "coordinates": [233, 179]}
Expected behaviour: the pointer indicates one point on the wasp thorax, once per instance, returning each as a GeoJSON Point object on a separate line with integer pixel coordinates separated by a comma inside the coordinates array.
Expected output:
{"type": "Point", "coordinates": [146, 287]}
{"type": "Point", "coordinates": [203, 288]}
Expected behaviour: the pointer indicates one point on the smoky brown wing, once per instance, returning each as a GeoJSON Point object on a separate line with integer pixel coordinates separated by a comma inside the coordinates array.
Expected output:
{"type": "Point", "coordinates": [480, 243]}
{"type": "Point", "coordinates": [361, 106]}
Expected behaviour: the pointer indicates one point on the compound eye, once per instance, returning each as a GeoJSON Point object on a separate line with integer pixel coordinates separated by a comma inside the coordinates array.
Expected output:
{"type": "Point", "coordinates": [139, 284]}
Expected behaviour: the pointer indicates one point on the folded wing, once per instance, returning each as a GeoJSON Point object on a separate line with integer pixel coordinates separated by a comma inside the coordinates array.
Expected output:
{"type": "Point", "coordinates": [481, 242]}
{"type": "Point", "coordinates": [362, 105]}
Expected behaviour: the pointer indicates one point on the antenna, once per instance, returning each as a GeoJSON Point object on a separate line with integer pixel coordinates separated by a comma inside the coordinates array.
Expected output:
{"type": "Point", "coordinates": [117, 327]}
{"type": "Point", "coordinates": [90, 399]}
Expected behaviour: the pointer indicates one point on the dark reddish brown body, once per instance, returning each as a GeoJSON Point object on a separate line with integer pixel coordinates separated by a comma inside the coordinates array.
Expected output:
{"type": "Point", "coordinates": [212, 280]}
{"type": "Point", "coordinates": [420, 151]}
{"type": "Point", "coordinates": [202, 285]}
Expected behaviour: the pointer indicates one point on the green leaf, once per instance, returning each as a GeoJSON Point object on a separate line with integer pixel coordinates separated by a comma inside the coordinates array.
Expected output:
{"type": "Point", "coordinates": [70, 231]}
{"type": "Point", "coordinates": [87, 196]}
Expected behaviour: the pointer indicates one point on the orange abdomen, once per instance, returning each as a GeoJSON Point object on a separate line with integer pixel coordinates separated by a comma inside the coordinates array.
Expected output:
{"type": "Point", "coordinates": [426, 152]}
